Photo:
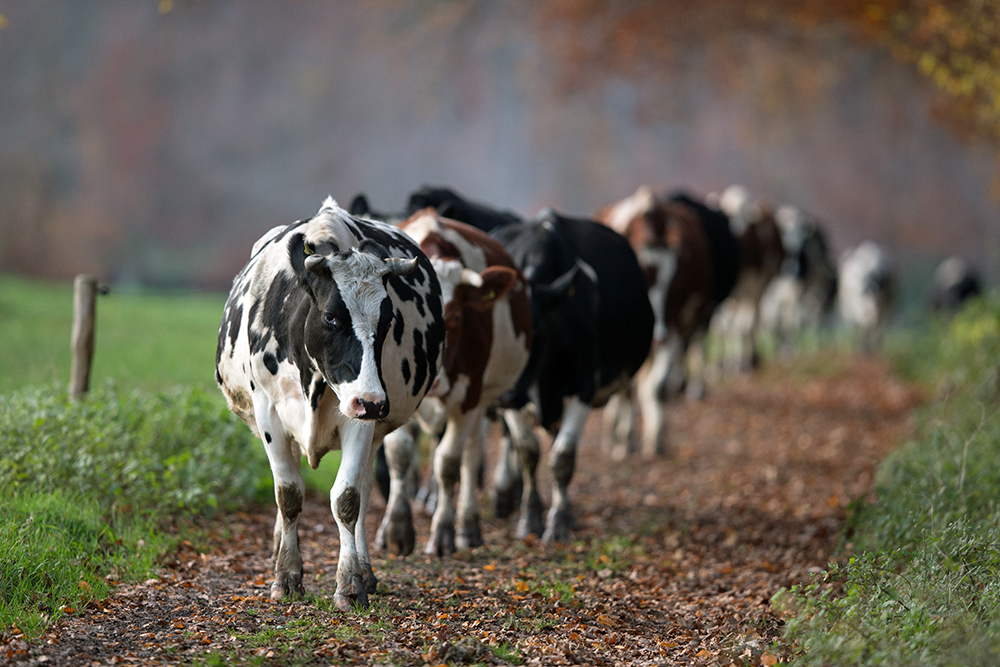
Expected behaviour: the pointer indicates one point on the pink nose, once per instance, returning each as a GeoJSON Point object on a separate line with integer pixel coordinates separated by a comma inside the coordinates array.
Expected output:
{"type": "Point", "coordinates": [363, 408]}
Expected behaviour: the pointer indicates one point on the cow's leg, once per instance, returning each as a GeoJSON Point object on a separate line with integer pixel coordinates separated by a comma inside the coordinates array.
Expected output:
{"type": "Point", "coordinates": [470, 534]}
{"type": "Point", "coordinates": [367, 482]}
{"type": "Point", "coordinates": [396, 534]}
{"type": "Point", "coordinates": [619, 424]}
{"type": "Point", "coordinates": [562, 461]}
{"type": "Point", "coordinates": [523, 438]}
{"type": "Point", "coordinates": [289, 490]}
{"type": "Point", "coordinates": [345, 501]}
{"type": "Point", "coordinates": [654, 387]}
{"type": "Point", "coordinates": [507, 485]}
{"type": "Point", "coordinates": [695, 389]}
{"type": "Point", "coordinates": [447, 472]}
{"type": "Point", "coordinates": [433, 419]}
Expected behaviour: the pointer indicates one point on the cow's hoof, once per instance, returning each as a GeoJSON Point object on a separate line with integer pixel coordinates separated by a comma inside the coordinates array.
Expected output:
{"type": "Point", "coordinates": [401, 539]}
{"type": "Point", "coordinates": [287, 586]}
{"type": "Point", "coordinates": [506, 501]}
{"type": "Point", "coordinates": [371, 581]}
{"type": "Point", "coordinates": [395, 534]}
{"type": "Point", "coordinates": [356, 598]}
{"type": "Point", "coordinates": [558, 526]}
{"type": "Point", "coordinates": [531, 518]}
{"type": "Point", "coordinates": [470, 537]}
{"type": "Point", "coordinates": [695, 392]}
{"type": "Point", "coordinates": [442, 543]}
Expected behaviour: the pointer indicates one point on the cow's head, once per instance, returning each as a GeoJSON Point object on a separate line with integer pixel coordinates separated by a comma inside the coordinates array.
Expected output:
{"type": "Point", "coordinates": [348, 318]}
{"type": "Point", "coordinates": [467, 295]}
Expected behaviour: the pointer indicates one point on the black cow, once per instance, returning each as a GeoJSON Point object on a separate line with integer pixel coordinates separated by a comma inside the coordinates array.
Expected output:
{"type": "Point", "coordinates": [446, 202]}
{"type": "Point", "coordinates": [452, 205]}
{"type": "Point", "coordinates": [593, 326]}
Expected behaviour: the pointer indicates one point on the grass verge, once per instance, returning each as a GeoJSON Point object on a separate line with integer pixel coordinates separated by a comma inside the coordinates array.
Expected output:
{"type": "Point", "coordinates": [922, 583]}
{"type": "Point", "coordinates": [91, 482]}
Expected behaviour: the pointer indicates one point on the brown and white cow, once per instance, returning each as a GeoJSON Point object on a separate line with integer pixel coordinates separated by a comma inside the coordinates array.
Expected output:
{"type": "Point", "coordinates": [488, 335]}
{"type": "Point", "coordinates": [690, 259]}
{"type": "Point", "coordinates": [761, 255]}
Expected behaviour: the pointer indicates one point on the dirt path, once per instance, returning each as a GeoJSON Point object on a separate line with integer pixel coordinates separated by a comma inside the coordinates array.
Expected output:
{"type": "Point", "coordinates": [674, 561]}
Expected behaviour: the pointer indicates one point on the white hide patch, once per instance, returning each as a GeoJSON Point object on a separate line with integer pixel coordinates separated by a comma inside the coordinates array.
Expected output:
{"type": "Point", "coordinates": [362, 290]}
{"type": "Point", "coordinates": [625, 211]}
{"type": "Point", "coordinates": [664, 260]}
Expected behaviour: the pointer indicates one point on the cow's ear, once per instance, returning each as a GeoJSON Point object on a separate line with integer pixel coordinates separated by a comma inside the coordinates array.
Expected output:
{"type": "Point", "coordinates": [308, 271]}
{"type": "Point", "coordinates": [373, 248]}
{"type": "Point", "coordinates": [359, 205]}
{"type": "Point", "coordinates": [497, 282]}
{"type": "Point", "coordinates": [551, 294]}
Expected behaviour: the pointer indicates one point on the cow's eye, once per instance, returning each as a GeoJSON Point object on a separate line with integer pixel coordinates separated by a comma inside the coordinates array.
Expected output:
{"type": "Point", "coordinates": [331, 320]}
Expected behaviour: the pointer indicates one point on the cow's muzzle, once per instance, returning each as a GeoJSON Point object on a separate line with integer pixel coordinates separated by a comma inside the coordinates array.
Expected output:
{"type": "Point", "coordinates": [361, 408]}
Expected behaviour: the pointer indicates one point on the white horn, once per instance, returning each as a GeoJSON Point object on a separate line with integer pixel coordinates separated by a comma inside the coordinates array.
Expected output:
{"type": "Point", "coordinates": [470, 277]}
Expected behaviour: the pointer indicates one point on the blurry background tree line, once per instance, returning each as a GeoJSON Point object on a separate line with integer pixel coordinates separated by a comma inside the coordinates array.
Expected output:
{"type": "Point", "coordinates": [150, 143]}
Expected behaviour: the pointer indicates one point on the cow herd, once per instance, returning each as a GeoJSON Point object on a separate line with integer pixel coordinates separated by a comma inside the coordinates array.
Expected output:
{"type": "Point", "coordinates": [358, 330]}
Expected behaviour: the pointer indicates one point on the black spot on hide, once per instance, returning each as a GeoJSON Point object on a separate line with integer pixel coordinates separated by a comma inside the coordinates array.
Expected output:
{"type": "Point", "coordinates": [235, 318]}
{"type": "Point", "coordinates": [267, 436]}
{"type": "Point", "coordinates": [271, 363]}
{"type": "Point", "coordinates": [398, 328]}
{"type": "Point", "coordinates": [319, 388]}
{"type": "Point", "coordinates": [289, 501]}
{"type": "Point", "coordinates": [349, 505]}
{"type": "Point", "coordinates": [420, 361]}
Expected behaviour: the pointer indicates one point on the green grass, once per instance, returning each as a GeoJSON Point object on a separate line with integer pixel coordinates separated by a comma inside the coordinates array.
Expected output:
{"type": "Point", "coordinates": [923, 583]}
{"type": "Point", "coordinates": [151, 442]}
{"type": "Point", "coordinates": [147, 341]}
{"type": "Point", "coordinates": [83, 481]}
{"type": "Point", "coordinates": [56, 551]}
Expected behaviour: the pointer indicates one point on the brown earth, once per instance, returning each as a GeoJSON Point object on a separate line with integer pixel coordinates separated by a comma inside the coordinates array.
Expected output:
{"type": "Point", "coordinates": [673, 561]}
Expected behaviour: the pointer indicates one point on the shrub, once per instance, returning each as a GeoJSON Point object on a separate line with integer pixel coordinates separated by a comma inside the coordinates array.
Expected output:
{"type": "Point", "coordinates": [175, 452]}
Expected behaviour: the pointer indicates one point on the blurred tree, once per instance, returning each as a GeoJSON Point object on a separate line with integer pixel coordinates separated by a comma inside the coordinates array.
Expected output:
{"type": "Point", "coordinates": [954, 42]}
{"type": "Point", "coordinates": [957, 44]}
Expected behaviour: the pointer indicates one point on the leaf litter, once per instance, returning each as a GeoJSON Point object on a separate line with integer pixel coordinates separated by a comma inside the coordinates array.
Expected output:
{"type": "Point", "coordinates": [673, 561]}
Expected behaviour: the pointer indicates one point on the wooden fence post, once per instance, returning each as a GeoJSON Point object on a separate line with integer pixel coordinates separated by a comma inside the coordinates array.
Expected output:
{"type": "Point", "coordinates": [84, 300]}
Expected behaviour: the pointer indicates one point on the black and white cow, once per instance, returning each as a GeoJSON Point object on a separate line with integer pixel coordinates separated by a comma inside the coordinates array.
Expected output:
{"type": "Point", "coordinates": [592, 330]}
{"type": "Point", "coordinates": [332, 335]}
{"type": "Point", "coordinates": [802, 297]}
{"type": "Point", "coordinates": [865, 291]}
{"type": "Point", "coordinates": [955, 281]}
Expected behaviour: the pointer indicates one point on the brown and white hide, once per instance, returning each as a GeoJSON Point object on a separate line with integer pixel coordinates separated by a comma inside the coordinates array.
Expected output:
{"type": "Point", "coordinates": [674, 253]}
{"type": "Point", "coordinates": [762, 252]}
{"type": "Point", "coordinates": [488, 333]}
